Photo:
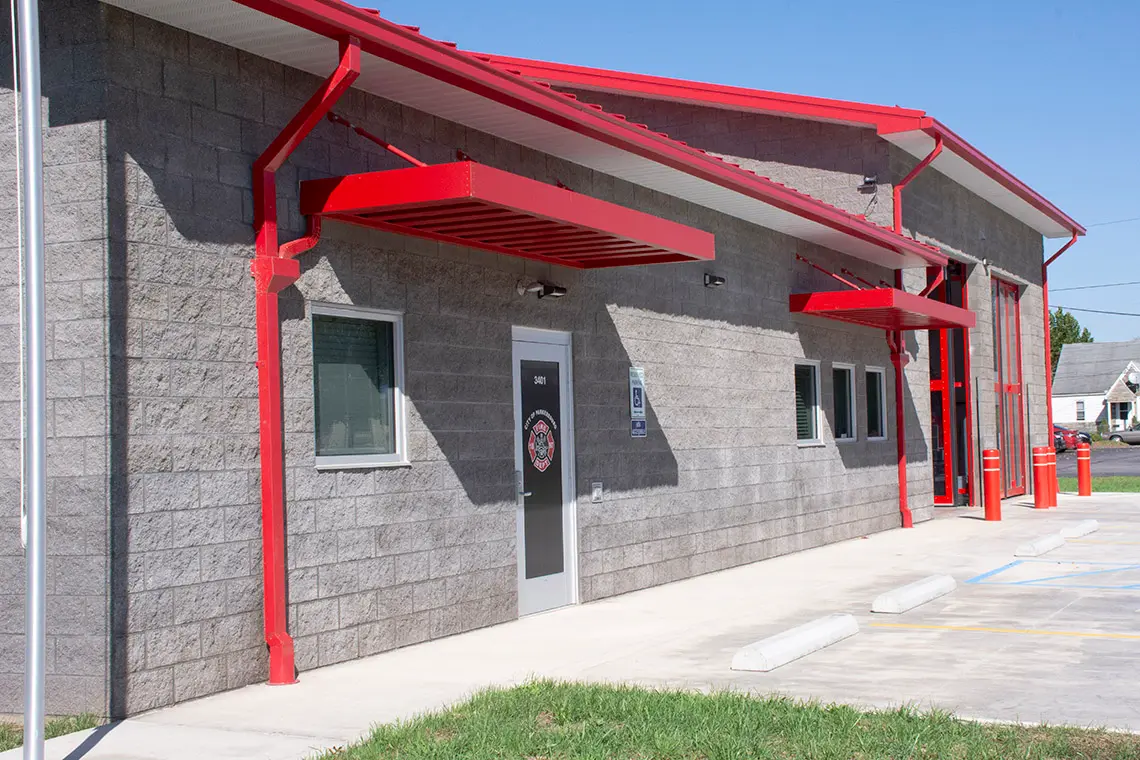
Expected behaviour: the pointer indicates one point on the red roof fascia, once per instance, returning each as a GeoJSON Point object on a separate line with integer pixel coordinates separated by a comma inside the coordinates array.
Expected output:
{"type": "Point", "coordinates": [894, 118]}
{"type": "Point", "coordinates": [479, 206]}
{"type": "Point", "coordinates": [986, 165]}
{"type": "Point", "coordinates": [407, 47]}
{"type": "Point", "coordinates": [882, 308]}
{"type": "Point", "coordinates": [884, 119]}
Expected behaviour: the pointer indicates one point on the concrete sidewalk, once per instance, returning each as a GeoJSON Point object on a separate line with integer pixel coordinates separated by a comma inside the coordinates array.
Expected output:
{"type": "Point", "coordinates": [954, 653]}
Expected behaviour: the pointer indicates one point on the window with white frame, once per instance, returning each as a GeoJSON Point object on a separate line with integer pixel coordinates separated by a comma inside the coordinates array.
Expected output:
{"type": "Point", "coordinates": [876, 381]}
{"type": "Point", "coordinates": [843, 400]}
{"type": "Point", "coordinates": [1080, 411]}
{"type": "Point", "coordinates": [358, 381]}
{"type": "Point", "coordinates": [807, 402]}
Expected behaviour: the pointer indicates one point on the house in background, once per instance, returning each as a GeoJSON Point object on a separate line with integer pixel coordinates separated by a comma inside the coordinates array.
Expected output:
{"type": "Point", "coordinates": [1095, 385]}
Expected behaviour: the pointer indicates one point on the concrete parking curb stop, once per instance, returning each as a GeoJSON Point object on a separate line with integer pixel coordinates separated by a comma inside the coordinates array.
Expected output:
{"type": "Point", "coordinates": [912, 595]}
{"type": "Point", "coordinates": [1040, 546]}
{"type": "Point", "coordinates": [794, 643]}
{"type": "Point", "coordinates": [1082, 528]}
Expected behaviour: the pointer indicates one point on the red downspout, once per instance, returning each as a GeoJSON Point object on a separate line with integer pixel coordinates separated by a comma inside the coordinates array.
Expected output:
{"type": "Point", "coordinates": [899, 359]}
{"type": "Point", "coordinates": [1048, 335]}
{"type": "Point", "coordinates": [273, 270]}
{"type": "Point", "coordinates": [895, 338]}
{"type": "Point", "coordinates": [897, 192]}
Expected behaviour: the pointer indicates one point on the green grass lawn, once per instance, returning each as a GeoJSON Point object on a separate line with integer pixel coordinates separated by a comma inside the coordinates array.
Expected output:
{"type": "Point", "coordinates": [559, 721]}
{"type": "Point", "coordinates": [12, 734]}
{"type": "Point", "coordinates": [1118, 484]}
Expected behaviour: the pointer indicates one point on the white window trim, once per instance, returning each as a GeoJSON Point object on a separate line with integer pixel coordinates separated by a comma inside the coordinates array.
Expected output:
{"type": "Point", "coordinates": [882, 373]}
{"type": "Point", "coordinates": [852, 415]}
{"type": "Point", "coordinates": [818, 440]}
{"type": "Point", "coordinates": [399, 415]}
{"type": "Point", "coordinates": [1080, 411]}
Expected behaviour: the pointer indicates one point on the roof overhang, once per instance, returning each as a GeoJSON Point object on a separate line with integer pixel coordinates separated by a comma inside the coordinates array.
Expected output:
{"type": "Point", "coordinates": [911, 130]}
{"type": "Point", "coordinates": [883, 308]}
{"type": "Point", "coordinates": [402, 65]}
{"type": "Point", "coordinates": [469, 204]}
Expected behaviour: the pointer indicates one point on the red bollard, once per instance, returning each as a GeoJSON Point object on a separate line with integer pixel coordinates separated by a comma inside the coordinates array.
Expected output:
{"type": "Point", "coordinates": [1041, 477]}
{"type": "Point", "coordinates": [991, 479]}
{"type": "Point", "coordinates": [1084, 469]}
{"type": "Point", "coordinates": [1053, 487]}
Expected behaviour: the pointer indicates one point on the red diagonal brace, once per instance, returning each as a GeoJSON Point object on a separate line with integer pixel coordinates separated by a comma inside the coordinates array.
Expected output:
{"type": "Point", "coordinates": [272, 273]}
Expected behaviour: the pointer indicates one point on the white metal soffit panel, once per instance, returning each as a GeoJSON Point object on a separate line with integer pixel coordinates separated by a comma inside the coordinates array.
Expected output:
{"type": "Point", "coordinates": [235, 25]}
{"type": "Point", "coordinates": [919, 144]}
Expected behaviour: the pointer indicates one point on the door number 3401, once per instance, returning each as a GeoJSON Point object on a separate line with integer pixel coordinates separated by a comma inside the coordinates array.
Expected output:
{"type": "Point", "coordinates": [540, 379]}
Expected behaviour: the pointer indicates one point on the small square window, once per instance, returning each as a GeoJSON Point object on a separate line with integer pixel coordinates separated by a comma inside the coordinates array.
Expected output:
{"type": "Point", "coordinates": [358, 387]}
{"type": "Point", "coordinates": [843, 401]}
{"type": "Point", "coordinates": [807, 403]}
{"type": "Point", "coordinates": [876, 404]}
{"type": "Point", "coordinates": [1080, 411]}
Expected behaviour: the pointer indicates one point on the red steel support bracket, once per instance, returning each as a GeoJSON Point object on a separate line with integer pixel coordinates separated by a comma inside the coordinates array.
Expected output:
{"type": "Point", "coordinates": [898, 188]}
{"type": "Point", "coordinates": [274, 269]}
{"type": "Point", "coordinates": [1048, 333]}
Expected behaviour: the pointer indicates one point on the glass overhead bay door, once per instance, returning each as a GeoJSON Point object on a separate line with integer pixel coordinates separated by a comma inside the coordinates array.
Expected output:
{"type": "Point", "coordinates": [1008, 403]}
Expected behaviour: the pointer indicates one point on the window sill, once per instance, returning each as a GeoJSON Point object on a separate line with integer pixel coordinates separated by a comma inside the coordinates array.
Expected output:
{"type": "Point", "coordinates": [876, 439]}
{"type": "Point", "coordinates": [362, 464]}
{"type": "Point", "coordinates": [810, 444]}
{"type": "Point", "coordinates": [844, 441]}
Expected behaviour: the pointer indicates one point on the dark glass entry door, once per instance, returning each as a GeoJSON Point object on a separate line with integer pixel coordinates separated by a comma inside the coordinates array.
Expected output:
{"type": "Point", "coordinates": [1008, 404]}
{"type": "Point", "coordinates": [951, 442]}
{"type": "Point", "coordinates": [544, 462]}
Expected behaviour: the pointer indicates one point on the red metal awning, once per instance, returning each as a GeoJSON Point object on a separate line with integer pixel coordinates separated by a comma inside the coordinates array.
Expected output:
{"type": "Point", "coordinates": [884, 308]}
{"type": "Point", "coordinates": [470, 204]}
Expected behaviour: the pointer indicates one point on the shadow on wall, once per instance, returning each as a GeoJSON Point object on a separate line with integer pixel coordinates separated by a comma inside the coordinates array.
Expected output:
{"type": "Point", "coordinates": [178, 216]}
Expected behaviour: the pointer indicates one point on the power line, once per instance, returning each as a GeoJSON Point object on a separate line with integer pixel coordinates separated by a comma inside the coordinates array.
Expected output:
{"type": "Point", "coordinates": [1115, 221]}
{"type": "Point", "coordinates": [1090, 287]}
{"type": "Point", "coordinates": [1098, 311]}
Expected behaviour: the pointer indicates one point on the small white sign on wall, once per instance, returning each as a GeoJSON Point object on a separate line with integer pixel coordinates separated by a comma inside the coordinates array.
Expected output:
{"type": "Point", "coordinates": [636, 393]}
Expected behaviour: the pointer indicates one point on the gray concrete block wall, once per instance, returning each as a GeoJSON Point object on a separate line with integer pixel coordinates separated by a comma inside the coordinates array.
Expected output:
{"type": "Point", "coordinates": [77, 380]}
{"type": "Point", "coordinates": [382, 558]}
{"type": "Point", "coordinates": [941, 212]}
{"type": "Point", "coordinates": [826, 161]}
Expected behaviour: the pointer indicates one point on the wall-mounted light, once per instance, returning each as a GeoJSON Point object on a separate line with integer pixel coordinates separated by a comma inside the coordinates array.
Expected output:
{"type": "Point", "coordinates": [713, 281]}
{"type": "Point", "coordinates": [870, 183]}
{"type": "Point", "coordinates": [543, 289]}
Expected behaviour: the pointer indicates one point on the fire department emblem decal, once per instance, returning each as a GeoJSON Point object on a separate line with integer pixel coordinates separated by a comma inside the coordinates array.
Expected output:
{"type": "Point", "coordinates": [540, 446]}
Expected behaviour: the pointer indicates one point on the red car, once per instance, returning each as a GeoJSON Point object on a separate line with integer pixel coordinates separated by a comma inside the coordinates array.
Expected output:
{"type": "Point", "coordinates": [1068, 436]}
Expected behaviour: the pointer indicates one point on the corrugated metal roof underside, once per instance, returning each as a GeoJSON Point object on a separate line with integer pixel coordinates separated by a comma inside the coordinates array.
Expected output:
{"type": "Point", "coordinates": [882, 308]}
{"type": "Point", "coordinates": [470, 204]}
{"type": "Point", "coordinates": [238, 26]}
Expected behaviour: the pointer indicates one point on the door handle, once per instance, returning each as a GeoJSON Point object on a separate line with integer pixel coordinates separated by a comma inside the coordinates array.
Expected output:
{"type": "Point", "coordinates": [519, 485]}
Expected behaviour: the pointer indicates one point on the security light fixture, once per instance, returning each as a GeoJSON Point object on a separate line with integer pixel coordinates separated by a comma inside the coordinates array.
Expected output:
{"type": "Point", "coordinates": [870, 183]}
{"type": "Point", "coordinates": [543, 289]}
{"type": "Point", "coordinates": [713, 281]}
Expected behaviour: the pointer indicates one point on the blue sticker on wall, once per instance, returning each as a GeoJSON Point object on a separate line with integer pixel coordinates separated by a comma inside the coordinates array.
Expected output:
{"type": "Point", "coordinates": [637, 429]}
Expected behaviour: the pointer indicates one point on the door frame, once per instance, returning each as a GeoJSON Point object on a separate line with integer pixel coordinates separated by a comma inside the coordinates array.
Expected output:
{"type": "Point", "coordinates": [569, 447]}
{"type": "Point", "coordinates": [1006, 297]}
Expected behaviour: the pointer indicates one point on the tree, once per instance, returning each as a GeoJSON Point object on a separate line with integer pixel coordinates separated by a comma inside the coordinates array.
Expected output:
{"type": "Point", "coordinates": [1064, 328]}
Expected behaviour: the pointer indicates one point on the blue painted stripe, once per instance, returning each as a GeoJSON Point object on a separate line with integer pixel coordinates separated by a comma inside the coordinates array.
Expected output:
{"type": "Point", "coordinates": [983, 576]}
{"type": "Point", "coordinates": [1075, 575]}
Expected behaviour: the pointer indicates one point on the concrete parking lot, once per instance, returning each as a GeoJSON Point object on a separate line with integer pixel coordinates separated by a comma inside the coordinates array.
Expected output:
{"type": "Point", "coordinates": [1106, 462]}
{"type": "Point", "coordinates": [1055, 639]}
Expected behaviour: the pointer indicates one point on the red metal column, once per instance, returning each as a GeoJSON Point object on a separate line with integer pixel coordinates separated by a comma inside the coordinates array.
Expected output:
{"type": "Point", "coordinates": [1084, 469]}
{"type": "Point", "coordinates": [273, 272]}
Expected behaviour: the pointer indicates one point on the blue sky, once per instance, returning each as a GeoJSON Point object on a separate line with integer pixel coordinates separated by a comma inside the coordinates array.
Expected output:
{"type": "Point", "coordinates": [1049, 89]}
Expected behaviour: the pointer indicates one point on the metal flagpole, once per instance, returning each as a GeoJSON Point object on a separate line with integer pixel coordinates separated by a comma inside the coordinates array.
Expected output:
{"type": "Point", "coordinates": [31, 170]}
